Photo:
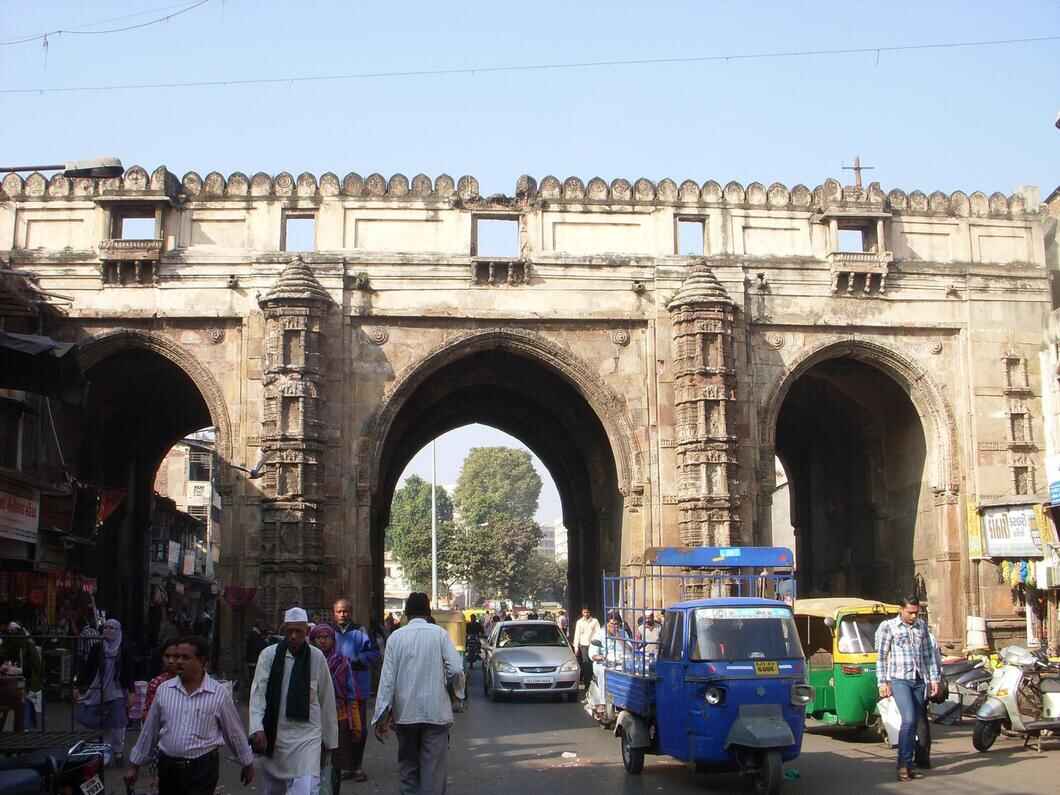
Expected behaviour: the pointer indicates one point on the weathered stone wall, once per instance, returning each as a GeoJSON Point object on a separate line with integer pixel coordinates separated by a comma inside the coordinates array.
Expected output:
{"type": "Point", "coordinates": [947, 296]}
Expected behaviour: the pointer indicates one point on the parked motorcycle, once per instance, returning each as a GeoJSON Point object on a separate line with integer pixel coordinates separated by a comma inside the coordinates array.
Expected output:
{"type": "Point", "coordinates": [1021, 699]}
{"type": "Point", "coordinates": [55, 771]}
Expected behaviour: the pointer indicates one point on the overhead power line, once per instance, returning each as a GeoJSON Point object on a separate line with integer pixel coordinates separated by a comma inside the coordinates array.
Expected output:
{"type": "Point", "coordinates": [79, 30]}
{"type": "Point", "coordinates": [473, 70]}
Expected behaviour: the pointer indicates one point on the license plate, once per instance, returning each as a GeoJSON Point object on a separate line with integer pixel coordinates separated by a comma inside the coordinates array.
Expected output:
{"type": "Point", "coordinates": [538, 680]}
{"type": "Point", "coordinates": [93, 786]}
{"type": "Point", "coordinates": [766, 669]}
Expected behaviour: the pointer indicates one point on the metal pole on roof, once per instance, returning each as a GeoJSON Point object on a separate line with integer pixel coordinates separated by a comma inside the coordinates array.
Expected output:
{"type": "Point", "coordinates": [434, 523]}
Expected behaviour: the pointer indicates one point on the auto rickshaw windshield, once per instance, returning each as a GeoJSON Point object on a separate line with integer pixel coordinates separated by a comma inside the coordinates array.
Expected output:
{"type": "Point", "coordinates": [857, 633]}
{"type": "Point", "coordinates": [744, 633]}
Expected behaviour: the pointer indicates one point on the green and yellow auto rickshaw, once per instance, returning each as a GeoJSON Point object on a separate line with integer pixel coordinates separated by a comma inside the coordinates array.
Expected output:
{"type": "Point", "coordinates": [838, 636]}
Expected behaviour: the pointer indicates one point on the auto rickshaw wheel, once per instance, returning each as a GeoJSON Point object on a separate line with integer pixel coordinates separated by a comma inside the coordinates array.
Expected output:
{"type": "Point", "coordinates": [770, 774]}
{"type": "Point", "coordinates": [984, 734]}
{"type": "Point", "coordinates": [632, 758]}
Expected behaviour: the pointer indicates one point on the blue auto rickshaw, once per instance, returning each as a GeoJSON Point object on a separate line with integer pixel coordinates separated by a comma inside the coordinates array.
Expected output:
{"type": "Point", "coordinates": [724, 685]}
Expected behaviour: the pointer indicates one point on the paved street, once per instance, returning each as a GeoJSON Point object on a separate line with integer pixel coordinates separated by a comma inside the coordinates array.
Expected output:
{"type": "Point", "coordinates": [516, 748]}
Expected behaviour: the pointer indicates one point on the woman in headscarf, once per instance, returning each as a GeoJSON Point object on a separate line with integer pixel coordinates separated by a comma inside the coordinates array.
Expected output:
{"type": "Point", "coordinates": [346, 704]}
{"type": "Point", "coordinates": [19, 652]}
{"type": "Point", "coordinates": [103, 687]}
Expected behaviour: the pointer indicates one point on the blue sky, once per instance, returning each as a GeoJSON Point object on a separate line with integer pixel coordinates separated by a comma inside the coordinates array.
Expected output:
{"type": "Point", "coordinates": [975, 118]}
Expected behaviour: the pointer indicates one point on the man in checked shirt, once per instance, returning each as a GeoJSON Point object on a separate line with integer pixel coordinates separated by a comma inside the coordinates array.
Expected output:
{"type": "Point", "coordinates": [191, 717]}
{"type": "Point", "coordinates": [906, 663]}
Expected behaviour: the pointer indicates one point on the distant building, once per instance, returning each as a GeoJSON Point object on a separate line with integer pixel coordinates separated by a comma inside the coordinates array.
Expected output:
{"type": "Point", "coordinates": [559, 540]}
{"type": "Point", "coordinates": [187, 476]}
{"type": "Point", "coordinates": [396, 588]}
{"type": "Point", "coordinates": [547, 545]}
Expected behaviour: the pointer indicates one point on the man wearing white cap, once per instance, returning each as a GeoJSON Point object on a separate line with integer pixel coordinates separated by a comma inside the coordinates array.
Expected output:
{"type": "Point", "coordinates": [292, 710]}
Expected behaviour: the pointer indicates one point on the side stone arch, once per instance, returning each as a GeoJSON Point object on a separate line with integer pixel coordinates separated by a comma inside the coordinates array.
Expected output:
{"type": "Point", "coordinates": [100, 347]}
{"type": "Point", "coordinates": [936, 415]}
{"type": "Point", "coordinates": [607, 404]}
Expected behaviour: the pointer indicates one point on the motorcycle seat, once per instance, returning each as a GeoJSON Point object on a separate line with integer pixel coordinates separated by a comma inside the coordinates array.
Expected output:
{"type": "Point", "coordinates": [1051, 685]}
{"type": "Point", "coordinates": [43, 762]}
{"type": "Point", "coordinates": [20, 782]}
{"type": "Point", "coordinates": [957, 668]}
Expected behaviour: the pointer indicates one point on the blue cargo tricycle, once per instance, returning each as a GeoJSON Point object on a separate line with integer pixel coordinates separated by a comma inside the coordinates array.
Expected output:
{"type": "Point", "coordinates": [723, 684]}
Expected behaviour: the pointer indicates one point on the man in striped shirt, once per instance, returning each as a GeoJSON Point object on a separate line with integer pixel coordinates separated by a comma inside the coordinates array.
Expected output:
{"type": "Point", "coordinates": [192, 716]}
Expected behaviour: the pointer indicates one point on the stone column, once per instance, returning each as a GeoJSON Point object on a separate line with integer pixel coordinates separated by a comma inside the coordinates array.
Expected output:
{"type": "Point", "coordinates": [703, 318]}
{"type": "Point", "coordinates": [292, 442]}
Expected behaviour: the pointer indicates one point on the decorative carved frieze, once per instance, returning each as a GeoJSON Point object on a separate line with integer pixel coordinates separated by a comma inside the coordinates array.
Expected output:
{"type": "Point", "coordinates": [703, 317]}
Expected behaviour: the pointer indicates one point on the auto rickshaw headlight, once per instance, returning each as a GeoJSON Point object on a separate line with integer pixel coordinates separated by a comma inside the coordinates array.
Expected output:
{"type": "Point", "coordinates": [801, 695]}
{"type": "Point", "coordinates": [715, 696]}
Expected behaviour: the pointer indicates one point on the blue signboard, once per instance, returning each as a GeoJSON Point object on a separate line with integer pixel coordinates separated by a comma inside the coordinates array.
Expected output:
{"type": "Point", "coordinates": [720, 557]}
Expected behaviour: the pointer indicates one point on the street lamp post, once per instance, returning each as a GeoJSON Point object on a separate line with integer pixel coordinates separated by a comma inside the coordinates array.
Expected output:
{"type": "Point", "coordinates": [96, 167]}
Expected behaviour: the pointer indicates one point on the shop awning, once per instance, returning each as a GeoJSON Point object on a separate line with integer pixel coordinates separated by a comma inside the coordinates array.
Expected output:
{"type": "Point", "coordinates": [32, 363]}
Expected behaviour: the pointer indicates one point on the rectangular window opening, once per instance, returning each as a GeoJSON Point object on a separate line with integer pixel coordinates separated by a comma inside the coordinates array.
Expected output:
{"type": "Point", "coordinates": [496, 237]}
{"type": "Point", "coordinates": [691, 237]}
{"type": "Point", "coordinates": [137, 228]}
{"type": "Point", "coordinates": [851, 240]}
{"type": "Point", "coordinates": [299, 233]}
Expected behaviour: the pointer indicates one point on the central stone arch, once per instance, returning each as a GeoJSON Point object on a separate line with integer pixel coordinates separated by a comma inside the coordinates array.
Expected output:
{"type": "Point", "coordinates": [536, 390]}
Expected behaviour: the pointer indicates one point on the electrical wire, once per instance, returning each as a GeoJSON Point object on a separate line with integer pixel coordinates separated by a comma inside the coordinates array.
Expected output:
{"type": "Point", "coordinates": [473, 70]}
{"type": "Point", "coordinates": [79, 30]}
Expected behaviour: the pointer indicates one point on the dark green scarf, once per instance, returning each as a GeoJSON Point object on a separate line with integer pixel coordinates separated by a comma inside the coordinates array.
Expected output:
{"type": "Point", "coordinates": [297, 691]}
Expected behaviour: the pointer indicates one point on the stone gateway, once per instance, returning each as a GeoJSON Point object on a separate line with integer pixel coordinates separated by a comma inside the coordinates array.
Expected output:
{"type": "Point", "coordinates": [659, 346]}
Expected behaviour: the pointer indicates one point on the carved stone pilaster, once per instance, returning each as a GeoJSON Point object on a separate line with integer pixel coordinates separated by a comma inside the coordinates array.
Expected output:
{"type": "Point", "coordinates": [703, 317]}
{"type": "Point", "coordinates": [292, 441]}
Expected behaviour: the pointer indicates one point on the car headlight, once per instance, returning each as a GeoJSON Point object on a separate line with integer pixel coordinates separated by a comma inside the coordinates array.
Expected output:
{"type": "Point", "coordinates": [506, 667]}
{"type": "Point", "coordinates": [801, 695]}
{"type": "Point", "coordinates": [715, 696]}
{"type": "Point", "coordinates": [568, 667]}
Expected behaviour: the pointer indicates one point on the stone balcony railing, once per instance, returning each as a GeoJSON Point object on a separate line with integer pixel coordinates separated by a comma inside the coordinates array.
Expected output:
{"type": "Point", "coordinates": [118, 250]}
{"type": "Point", "coordinates": [849, 265]}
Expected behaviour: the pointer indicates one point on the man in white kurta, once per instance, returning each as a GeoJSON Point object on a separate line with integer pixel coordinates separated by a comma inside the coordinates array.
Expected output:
{"type": "Point", "coordinates": [294, 766]}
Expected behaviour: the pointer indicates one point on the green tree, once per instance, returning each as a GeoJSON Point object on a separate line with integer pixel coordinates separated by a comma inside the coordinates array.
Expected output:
{"type": "Point", "coordinates": [409, 533]}
{"type": "Point", "coordinates": [496, 496]}
{"type": "Point", "coordinates": [541, 579]}
{"type": "Point", "coordinates": [497, 482]}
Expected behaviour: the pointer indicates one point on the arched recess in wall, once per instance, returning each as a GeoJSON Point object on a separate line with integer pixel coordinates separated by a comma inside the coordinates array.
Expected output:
{"type": "Point", "coordinates": [608, 406]}
{"type": "Point", "coordinates": [930, 403]}
{"type": "Point", "coordinates": [529, 387]}
{"type": "Point", "coordinates": [103, 346]}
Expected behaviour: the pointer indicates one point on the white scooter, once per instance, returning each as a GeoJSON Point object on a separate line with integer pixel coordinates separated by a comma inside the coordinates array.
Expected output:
{"type": "Point", "coordinates": [1020, 699]}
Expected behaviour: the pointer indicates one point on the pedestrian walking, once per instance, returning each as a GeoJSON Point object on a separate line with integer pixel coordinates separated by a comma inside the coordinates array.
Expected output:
{"type": "Point", "coordinates": [348, 711]}
{"type": "Point", "coordinates": [169, 670]}
{"type": "Point", "coordinates": [421, 663]}
{"type": "Point", "coordinates": [584, 632]}
{"type": "Point", "coordinates": [907, 664]}
{"type": "Point", "coordinates": [103, 687]}
{"type": "Point", "coordinates": [357, 646]}
{"type": "Point", "coordinates": [564, 625]}
{"type": "Point", "coordinates": [21, 656]}
{"type": "Point", "coordinates": [192, 716]}
{"type": "Point", "coordinates": [292, 711]}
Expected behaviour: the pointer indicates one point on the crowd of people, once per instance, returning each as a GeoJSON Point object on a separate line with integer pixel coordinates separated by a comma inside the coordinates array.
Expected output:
{"type": "Point", "coordinates": [310, 685]}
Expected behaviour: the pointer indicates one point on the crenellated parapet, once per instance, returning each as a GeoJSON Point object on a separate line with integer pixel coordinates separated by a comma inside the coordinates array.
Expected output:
{"type": "Point", "coordinates": [292, 440]}
{"type": "Point", "coordinates": [666, 192]}
{"type": "Point", "coordinates": [703, 320]}
{"type": "Point", "coordinates": [776, 196]}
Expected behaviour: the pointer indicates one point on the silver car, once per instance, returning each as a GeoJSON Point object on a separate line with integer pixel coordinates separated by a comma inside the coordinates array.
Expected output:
{"type": "Point", "coordinates": [529, 657]}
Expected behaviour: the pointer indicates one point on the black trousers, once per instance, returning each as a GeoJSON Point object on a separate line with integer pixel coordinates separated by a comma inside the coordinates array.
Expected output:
{"type": "Point", "coordinates": [586, 665]}
{"type": "Point", "coordinates": [188, 776]}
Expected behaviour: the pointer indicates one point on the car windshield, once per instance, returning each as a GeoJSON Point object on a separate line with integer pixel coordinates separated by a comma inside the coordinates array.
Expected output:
{"type": "Point", "coordinates": [744, 633]}
{"type": "Point", "coordinates": [857, 633]}
{"type": "Point", "coordinates": [530, 635]}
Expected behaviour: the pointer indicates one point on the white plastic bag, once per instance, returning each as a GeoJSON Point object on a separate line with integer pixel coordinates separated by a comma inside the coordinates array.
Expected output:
{"type": "Point", "coordinates": [891, 719]}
